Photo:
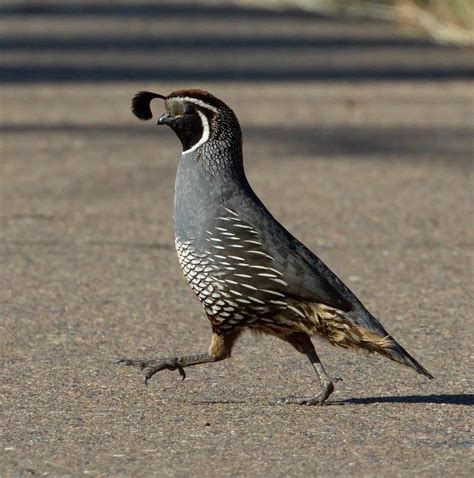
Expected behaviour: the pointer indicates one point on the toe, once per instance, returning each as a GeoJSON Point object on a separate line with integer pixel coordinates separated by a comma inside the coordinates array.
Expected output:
{"type": "Point", "coordinates": [129, 362]}
{"type": "Point", "coordinates": [292, 400]}
{"type": "Point", "coordinates": [315, 401]}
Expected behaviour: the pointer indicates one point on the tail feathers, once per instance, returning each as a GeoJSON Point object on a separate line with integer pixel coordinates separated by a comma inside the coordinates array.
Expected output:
{"type": "Point", "coordinates": [388, 347]}
{"type": "Point", "coordinates": [377, 339]}
{"type": "Point", "coordinates": [397, 353]}
{"type": "Point", "coordinates": [362, 332]}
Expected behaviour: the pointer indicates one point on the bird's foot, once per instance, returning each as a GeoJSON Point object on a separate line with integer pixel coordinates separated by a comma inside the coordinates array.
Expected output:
{"type": "Point", "coordinates": [153, 366]}
{"type": "Point", "coordinates": [319, 399]}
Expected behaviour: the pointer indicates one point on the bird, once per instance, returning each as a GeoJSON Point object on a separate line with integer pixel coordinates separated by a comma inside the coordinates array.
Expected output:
{"type": "Point", "coordinates": [247, 270]}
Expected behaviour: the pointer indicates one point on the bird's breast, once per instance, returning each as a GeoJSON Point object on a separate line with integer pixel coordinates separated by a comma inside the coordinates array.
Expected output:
{"type": "Point", "coordinates": [194, 203]}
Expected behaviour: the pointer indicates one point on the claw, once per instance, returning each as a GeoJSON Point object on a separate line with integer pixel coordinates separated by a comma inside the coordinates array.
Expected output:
{"type": "Point", "coordinates": [167, 364]}
{"type": "Point", "coordinates": [150, 373]}
{"type": "Point", "coordinates": [319, 399]}
{"type": "Point", "coordinates": [153, 366]}
{"type": "Point", "coordinates": [181, 372]}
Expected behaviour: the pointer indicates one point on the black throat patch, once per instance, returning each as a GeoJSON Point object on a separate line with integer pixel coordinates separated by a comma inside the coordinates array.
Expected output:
{"type": "Point", "coordinates": [189, 130]}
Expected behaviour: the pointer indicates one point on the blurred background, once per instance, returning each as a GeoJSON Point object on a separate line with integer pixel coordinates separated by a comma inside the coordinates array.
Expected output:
{"type": "Point", "coordinates": [358, 124]}
{"type": "Point", "coordinates": [110, 41]}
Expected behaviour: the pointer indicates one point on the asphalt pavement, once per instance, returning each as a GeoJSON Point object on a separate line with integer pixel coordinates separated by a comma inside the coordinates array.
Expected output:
{"type": "Point", "coordinates": [357, 136]}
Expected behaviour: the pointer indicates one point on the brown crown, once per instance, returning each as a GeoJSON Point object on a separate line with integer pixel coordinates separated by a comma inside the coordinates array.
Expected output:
{"type": "Point", "coordinates": [199, 94]}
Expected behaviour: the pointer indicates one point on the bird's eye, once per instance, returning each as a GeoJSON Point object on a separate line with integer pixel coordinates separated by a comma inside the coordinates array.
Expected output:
{"type": "Point", "coordinates": [190, 110]}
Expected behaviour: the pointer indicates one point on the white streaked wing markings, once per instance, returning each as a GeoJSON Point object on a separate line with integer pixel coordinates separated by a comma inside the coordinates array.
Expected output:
{"type": "Point", "coordinates": [243, 301]}
{"type": "Point", "coordinates": [237, 258]}
{"type": "Point", "coordinates": [248, 286]}
{"type": "Point", "coordinates": [266, 274]}
{"type": "Point", "coordinates": [232, 212]}
{"type": "Point", "coordinates": [230, 281]}
{"type": "Point", "coordinates": [257, 301]}
{"type": "Point", "coordinates": [277, 302]}
{"type": "Point", "coordinates": [273, 292]}
{"type": "Point", "coordinates": [260, 253]}
{"type": "Point", "coordinates": [250, 241]}
{"type": "Point", "coordinates": [280, 281]}
{"type": "Point", "coordinates": [294, 309]}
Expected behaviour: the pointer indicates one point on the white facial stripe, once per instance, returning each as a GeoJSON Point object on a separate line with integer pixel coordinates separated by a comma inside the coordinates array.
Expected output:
{"type": "Point", "coordinates": [205, 134]}
{"type": "Point", "coordinates": [200, 103]}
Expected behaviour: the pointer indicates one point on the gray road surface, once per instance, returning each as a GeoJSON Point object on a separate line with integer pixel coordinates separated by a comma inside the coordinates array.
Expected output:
{"type": "Point", "coordinates": [357, 137]}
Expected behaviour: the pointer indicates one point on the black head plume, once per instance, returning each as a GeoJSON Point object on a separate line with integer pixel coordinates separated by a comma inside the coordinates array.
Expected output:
{"type": "Point", "coordinates": [141, 104]}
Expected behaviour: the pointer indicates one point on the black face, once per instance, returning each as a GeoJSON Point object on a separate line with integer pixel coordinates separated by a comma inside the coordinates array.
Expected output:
{"type": "Point", "coordinates": [188, 126]}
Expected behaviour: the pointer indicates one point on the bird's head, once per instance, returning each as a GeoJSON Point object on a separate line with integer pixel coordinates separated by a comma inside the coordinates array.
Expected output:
{"type": "Point", "coordinates": [203, 123]}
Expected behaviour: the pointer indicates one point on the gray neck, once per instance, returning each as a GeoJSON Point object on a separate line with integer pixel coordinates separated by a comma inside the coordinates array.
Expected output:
{"type": "Point", "coordinates": [202, 186]}
{"type": "Point", "coordinates": [221, 157]}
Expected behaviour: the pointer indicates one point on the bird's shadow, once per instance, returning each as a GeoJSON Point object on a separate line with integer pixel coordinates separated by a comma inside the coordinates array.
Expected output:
{"type": "Point", "coordinates": [448, 399]}
{"type": "Point", "coordinates": [466, 399]}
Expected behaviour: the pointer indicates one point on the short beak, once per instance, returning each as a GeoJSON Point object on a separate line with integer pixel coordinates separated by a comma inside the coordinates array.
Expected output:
{"type": "Point", "coordinates": [165, 118]}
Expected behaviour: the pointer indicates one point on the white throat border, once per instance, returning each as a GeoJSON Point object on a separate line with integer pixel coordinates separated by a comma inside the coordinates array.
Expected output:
{"type": "Point", "coordinates": [205, 132]}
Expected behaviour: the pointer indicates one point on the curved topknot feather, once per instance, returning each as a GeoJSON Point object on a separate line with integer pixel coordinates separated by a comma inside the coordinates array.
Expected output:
{"type": "Point", "coordinates": [141, 104]}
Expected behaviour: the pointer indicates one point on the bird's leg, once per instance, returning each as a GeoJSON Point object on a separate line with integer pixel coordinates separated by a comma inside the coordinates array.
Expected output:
{"type": "Point", "coordinates": [220, 349]}
{"type": "Point", "coordinates": [303, 344]}
{"type": "Point", "coordinates": [153, 366]}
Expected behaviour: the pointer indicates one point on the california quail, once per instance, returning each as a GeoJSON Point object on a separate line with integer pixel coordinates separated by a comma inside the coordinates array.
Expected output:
{"type": "Point", "coordinates": [246, 269]}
